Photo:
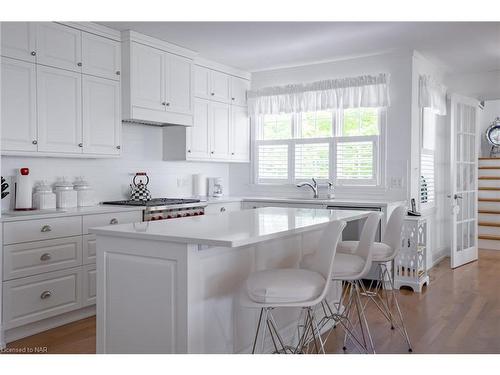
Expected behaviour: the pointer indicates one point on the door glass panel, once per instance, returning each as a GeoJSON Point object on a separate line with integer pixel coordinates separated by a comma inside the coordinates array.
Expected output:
{"type": "Point", "coordinates": [459, 237]}
{"type": "Point", "coordinates": [472, 233]}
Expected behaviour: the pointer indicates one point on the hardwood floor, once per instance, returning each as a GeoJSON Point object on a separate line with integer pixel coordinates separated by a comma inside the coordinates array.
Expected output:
{"type": "Point", "coordinates": [458, 313]}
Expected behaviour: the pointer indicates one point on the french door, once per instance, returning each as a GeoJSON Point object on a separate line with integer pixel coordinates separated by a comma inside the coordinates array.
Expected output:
{"type": "Point", "coordinates": [464, 146]}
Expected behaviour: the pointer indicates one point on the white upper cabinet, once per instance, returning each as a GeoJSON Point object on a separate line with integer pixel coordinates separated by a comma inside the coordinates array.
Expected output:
{"type": "Point", "coordinates": [179, 84]}
{"type": "Point", "coordinates": [59, 46]}
{"type": "Point", "coordinates": [220, 118]}
{"type": "Point", "coordinates": [239, 88]}
{"type": "Point", "coordinates": [197, 136]}
{"type": "Point", "coordinates": [18, 105]}
{"type": "Point", "coordinates": [202, 82]}
{"type": "Point", "coordinates": [148, 77]}
{"type": "Point", "coordinates": [220, 86]}
{"type": "Point", "coordinates": [101, 57]}
{"type": "Point", "coordinates": [240, 134]}
{"type": "Point", "coordinates": [157, 81]}
{"type": "Point", "coordinates": [59, 97]}
{"type": "Point", "coordinates": [101, 116]}
{"type": "Point", "coordinates": [19, 40]}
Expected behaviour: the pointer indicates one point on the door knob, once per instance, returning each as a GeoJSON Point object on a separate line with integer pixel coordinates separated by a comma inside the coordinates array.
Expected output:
{"type": "Point", "coordinates": [79, 64]}
{"type": "Point", "coordinates": [33, 53]}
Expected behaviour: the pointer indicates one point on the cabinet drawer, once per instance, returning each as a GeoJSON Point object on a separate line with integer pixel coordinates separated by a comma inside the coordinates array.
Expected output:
{"type": "Point", "coordinates": [89, 249]}
{"type": "Point", "coordinates": [215, 208]}
{"type": "Point", "coordinates": [89, 285]}
{"type": "Point", "coordinates": [101, 220]}
{"type": "Point", "coordinates": [39, 297]}
{"type": "Point", "coordinates": [32, 258]}
{"type": "Point", "coordinates": [42, 229]}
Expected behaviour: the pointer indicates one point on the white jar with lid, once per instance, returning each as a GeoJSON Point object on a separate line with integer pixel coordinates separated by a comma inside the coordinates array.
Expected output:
{"type": "Point", "coordinates": [85, 193]}
{"type": "Point", "coordinates": [66, 196]}
{"type": "Point", "coordinates": [44, 198]}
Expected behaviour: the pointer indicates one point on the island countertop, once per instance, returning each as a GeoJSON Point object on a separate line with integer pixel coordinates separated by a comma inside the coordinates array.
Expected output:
{"type": "Point", "coordinates": [232, 229]}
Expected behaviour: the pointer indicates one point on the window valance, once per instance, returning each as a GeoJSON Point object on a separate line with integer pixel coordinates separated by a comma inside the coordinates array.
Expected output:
{"type": "Point", "coordinates": [432, 94]}
{"type": "Point", "coordinates": [354, 92]}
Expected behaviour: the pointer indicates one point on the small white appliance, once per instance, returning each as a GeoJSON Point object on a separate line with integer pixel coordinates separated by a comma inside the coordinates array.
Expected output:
{"type": "Point", "coordinates": [215, 188]}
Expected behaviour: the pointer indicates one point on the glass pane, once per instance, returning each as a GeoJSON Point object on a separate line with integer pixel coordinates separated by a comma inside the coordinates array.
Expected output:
{"type": "Point", "coordinates": [472, 233]}
{"type": "Point", "coordinates": [277, 126]}
{"type": "Point", "coordinates": [316, 124]}
{"type": "Point", "coordinates": [312, 160]}
{"type": "Point", "coordinates": [273, 162]}
{"type": "Point", "coordinates": [355, 160]}
{"type": "Point", "coordinates": [459, 237]}
{"type": "Point", "coordinates": [360, 121]}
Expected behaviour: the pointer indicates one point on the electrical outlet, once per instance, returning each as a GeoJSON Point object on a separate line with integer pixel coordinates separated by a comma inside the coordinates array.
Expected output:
{"type": "Point", "coordinates": [396, 182]}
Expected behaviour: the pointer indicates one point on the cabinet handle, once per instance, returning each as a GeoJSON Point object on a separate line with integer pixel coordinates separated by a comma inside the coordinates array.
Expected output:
{"type": "Point", "coordinates": [163, 103]}
{"type": "Point", "coordinates": [232, 153]}
{"type": "Point", "coordinates": [35, 142]}
{"type": "Point", "coordinates": [233, 99]}
{"type": "Point", "coordinates": [167, 104]}
{"type": "Point", "coordinates": [80, 144]}
{"type": "Point", "coordinates": [46, 294]}
{"type": "Point", "coordinates": [113, 221]}
{"type": "Point", "coordinates": [118, 147]}
{"type": "Point", "coordinates": [211, 152]}
{"type": "Point", "coordinates": [33, 53]}
{"type": "Point", "coordinates": [117, 72]}
{"type": "Point", "coordinates": [45, 257]}
{"type": "Point", "coordinates": [79, 64]}
{"type": "Point", "coordinates": [212, 93]}
{"type": "Point", "coordinates": [189, 151]}
{"type": "Point", "coordinates": [46, 228]}
{"type": "Point", "coordinates": [223, 209]}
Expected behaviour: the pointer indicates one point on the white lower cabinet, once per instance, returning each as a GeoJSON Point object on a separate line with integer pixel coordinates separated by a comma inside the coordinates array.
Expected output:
{"type": "Point", "coordinates": [89, 289]}
{"type": "Point", "coordinates": [31, 258]}
{"type": "Point", "coordinates": [216, 208]}
{"type": "Point", "coordinates": [49, 267]}
{"type": "Point", "coordinates": [30, 299]}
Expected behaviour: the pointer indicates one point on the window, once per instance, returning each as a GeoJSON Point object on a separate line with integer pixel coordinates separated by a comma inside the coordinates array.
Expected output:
{"type": "Point", "coordinates": [427, 162]}
{"type": "Point", "coordinates": [342, 146]}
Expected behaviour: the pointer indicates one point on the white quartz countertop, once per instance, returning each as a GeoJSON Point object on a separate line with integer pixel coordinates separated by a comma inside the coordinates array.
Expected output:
{"type": "Point", "coordinates": [232, 229]}
{"type": "Point", "coordinates": [325, 201]}
{"type": "Point", "coordinates": [77, 211]}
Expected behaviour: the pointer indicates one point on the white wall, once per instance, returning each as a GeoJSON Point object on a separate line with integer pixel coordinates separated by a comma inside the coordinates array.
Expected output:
{"type": "Point", "coordinates": [398, 65]}
{"type": "Point", "coordinates": [490, 112]}
{"type": "Point", "coordinates": [141, 151]}
{"type": "Point", "coordinates": [479, 85]}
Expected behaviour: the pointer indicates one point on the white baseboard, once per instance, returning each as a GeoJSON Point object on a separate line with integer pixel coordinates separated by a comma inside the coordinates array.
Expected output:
{"type": "Point", "coordinates": [43, 325]}
{"type": "Point", "coordinates": [439, 255]}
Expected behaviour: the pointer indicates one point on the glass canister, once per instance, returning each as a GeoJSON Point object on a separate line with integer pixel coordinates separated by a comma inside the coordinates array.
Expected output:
{"type": "Point", "coordinates": [44, 198]}
{"type": "Point", "coordinates": [85, 193]}
{"type": "Point", "coordinates": [66, 196]}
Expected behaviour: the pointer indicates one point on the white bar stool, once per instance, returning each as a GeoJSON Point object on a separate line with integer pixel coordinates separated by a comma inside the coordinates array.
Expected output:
{"type": "Point", "coordinates": [351, 268]}
{"type": "Point", "coordinates": [384, 252]}
{"type": "Point", "coordinates": [293, 287]}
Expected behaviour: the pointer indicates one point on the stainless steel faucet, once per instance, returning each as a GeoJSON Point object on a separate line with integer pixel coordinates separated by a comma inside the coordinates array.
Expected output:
{"type": "Point", "coordinates": [313, 186]}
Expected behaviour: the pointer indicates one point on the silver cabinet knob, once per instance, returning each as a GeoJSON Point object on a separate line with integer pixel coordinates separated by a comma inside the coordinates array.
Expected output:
{"type": "Point", "coordinates": [117, 72]}
{"type": "Point", "coordinates": [233, 99]}
{"type": "Point", "coordinates": [79, 64]}
{"type": "Point", "coordinates": [211, 152]}
{"type": "Point", "coordinates": [33, 53]}
{"type": "Point", "coordinates": [46, 228]}
{"type": "Point", "coordinates": [167, 104]}
{"type": "Point", "coordinates": [46, 294]}
{"type": "Point", "coordinates": [189, 151]}
{"type": "Point", "coordinates": [113, 221]}
{"type": "Point", "coordinates": [45, 257]}
{"type": "Point", "coordinates": [232, 153]}
{"type": "Point", "coordinates": [212, 93]}
{"type": "Point", "coordinates": [223, 209]}
{"type": "Point", "coordinates": [118, 147]}
{"type": "Point", "coordinates": [163, 103]}
{"type": "Point", "coordinates": [80, 144]}
{"type": "Point", "coordinates": [35, 142]}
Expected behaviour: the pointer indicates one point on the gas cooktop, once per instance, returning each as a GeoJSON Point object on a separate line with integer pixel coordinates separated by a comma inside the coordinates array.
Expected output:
{"type": "Point", "coordinates": [155, 202]}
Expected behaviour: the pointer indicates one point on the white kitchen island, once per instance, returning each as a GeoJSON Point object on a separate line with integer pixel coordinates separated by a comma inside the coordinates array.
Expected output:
{"type": "Point", "coordinates": [173, 286]}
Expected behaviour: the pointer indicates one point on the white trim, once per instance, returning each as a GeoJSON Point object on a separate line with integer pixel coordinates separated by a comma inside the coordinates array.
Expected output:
{"type": "Point", "coordinates": [200, 61]}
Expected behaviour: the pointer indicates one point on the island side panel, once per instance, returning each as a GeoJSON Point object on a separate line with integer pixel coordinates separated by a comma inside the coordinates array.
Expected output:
{"type": "Point", "coordinates": [141, 296]}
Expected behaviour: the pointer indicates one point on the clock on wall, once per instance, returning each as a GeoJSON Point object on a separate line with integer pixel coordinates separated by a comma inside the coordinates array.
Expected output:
{"type": "Point", "coordinates": [493, 137]}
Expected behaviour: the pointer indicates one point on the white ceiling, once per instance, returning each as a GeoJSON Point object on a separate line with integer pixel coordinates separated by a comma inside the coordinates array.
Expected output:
{"type": "Point", "coordinates": [253, 46]}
